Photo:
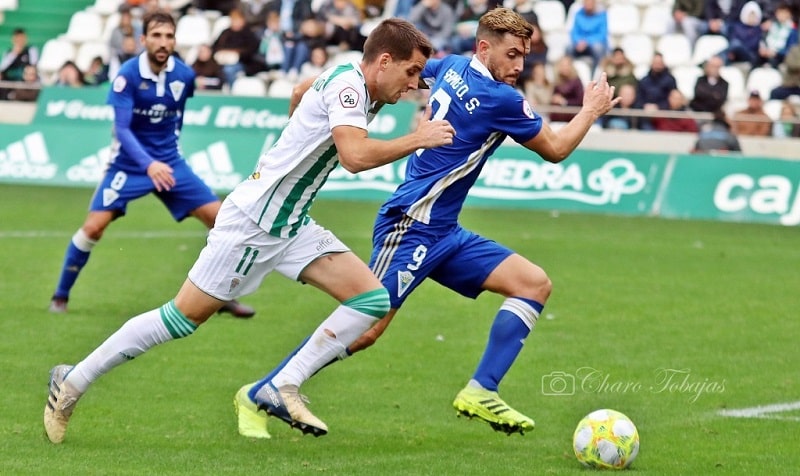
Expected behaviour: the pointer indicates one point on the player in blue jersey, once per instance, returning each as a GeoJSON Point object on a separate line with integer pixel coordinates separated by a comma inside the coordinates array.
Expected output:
{"type": "Point", "coordinates": [149, 96]}
{"type": "Point", "coordinates": [264, 224]}
{"type": "Point", "coordinates": [417, 234]}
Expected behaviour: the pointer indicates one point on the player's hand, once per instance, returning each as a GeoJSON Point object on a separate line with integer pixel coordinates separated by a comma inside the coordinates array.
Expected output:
{"type": "Point", "coordinates": [161, 175]}
{"type": "Point", "coordinates": [434, 133]}
{"type": "Point", "coordinates": [597, 98]}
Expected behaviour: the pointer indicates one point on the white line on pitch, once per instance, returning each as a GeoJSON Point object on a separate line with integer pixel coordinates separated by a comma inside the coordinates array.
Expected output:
{"type": "Point", "coordinates": [764, 411]}
{"type": "Point", "coordinates": [122, 234]}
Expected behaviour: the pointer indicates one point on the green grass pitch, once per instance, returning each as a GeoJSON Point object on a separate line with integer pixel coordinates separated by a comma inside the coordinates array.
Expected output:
{"type": "Point", "coordinates": [670, 322]}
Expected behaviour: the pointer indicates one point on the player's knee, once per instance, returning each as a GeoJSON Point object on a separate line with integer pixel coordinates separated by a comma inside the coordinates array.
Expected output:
{"type": "Point", "coordinates": [538, 285]}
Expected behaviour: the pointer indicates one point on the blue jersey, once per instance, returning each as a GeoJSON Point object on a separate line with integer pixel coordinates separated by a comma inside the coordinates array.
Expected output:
{"type": "Point", "coordinates": [483, 112]}
{"type": "Point", "coordinates": [157, 103]}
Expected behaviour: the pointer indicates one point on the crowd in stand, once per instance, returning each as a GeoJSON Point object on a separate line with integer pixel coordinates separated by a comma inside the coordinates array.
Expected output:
{"type": "Point", "coordinates": [294, 39]}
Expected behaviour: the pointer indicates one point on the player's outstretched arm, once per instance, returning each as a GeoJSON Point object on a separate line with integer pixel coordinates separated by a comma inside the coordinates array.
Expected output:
{"type": "Point", "coordinates": [358, 151]}
{"type": "Point", "coordinates": [556, 146]}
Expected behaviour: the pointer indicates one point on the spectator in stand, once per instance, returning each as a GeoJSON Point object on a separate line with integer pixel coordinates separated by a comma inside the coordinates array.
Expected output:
{"type": "Point", "coordinates": [711, 89]}
{"type": "Point", "coordinates": [567, 89]}
{"type": "Point", "coordinates": [752, 120]}
{"type": "Point", "coordinates": [781, 35]}
{"type": "Point", "coordinates": [436, 19]}
{"type": "Point", "coordinates": [744, 36]}
{"type": "Point", "coordinates": [301, 32]}
{"type": "Point", "coordinates": [128, 27]}
{"type": "Point", "coordinates": [342, 21]}
{"type": "Point", "coordinates": [787, 125]}
{"type": "Point", "coordinates": [618, 69]}
{"type": "Point", "coordinates": [689, 17]}
{"type": "Point", "coordinates": [791, 75]}
{"type": "Point", "coordinates": [653, 90]}
{"type": "Point", "coordinates": [14, 61]}
{"type": "Point", "coordinates": [677, 104]}
{"type": "Point", "coordinates": [538, 89]}
{"type": "Point", "coordinates": [316, 64]}
{"type": "Point", "coordinates": [30, 86]}
{"type": "Point", "coordinates": [130, 46]}
{"type": "Point", "coordinates": [69, 75]}
{"type": "Point", "coordinates": [222, 6]}
{"type": "Point", "coordinates": [536, 55]}
{"type": "Point", "coordinates": [97, 73]}
{"type": "Point", "coordinates": [719, 13]}
{"type": "Point", "coordinates": [716, 136]}
{"type": "Point", "coordinates": [255, 13]}
{"type": "Point", "coordinates": [208, 73]}
{"type": "Point", "coordinates": [589, 34]}
{"type": "Point", "coordinates": [270, 49]}
{"type": "Point", "coordinates": [468, 15]}
{"type": "Point", "coordinates": [627, 105]}
{"type": "Point", "coordinates": [236, 47]}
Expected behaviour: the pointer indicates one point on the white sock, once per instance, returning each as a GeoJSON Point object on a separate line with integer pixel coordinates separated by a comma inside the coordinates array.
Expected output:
{"type": "Point", "coordinates": [346, 324]}
{"type": "Point", "coordinates": [131, 340]}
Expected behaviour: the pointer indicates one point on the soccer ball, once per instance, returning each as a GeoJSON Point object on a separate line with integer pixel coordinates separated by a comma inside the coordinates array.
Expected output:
{"type": "Point", "coordinates": [606, 439]}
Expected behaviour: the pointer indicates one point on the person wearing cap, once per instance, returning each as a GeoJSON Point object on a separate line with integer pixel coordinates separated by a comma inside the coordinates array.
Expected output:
{"type": "Point", "coordinates": [752, 120]}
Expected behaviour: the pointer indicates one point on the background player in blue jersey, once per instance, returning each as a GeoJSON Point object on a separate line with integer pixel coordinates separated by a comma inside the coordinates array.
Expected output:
{"type": "Point", "coordinates": [417, 234]}
{"type": "Point", "coordinates": [149, 96]}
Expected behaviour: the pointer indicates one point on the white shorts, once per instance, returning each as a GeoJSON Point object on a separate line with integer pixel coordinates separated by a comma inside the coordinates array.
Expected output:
{"type": "Point", "coordinates": [239, 254]}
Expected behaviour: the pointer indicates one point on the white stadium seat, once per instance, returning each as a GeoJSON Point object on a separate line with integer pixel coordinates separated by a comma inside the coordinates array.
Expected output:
{"type": "Point", "coordinates": [773, 108]}
{"type": "Point", "coordinates": [88, 51]}
{"type": "Point", "coordinates": [6, 5]}
{"type": "Point", "coordinates": [557, 43]}
{"type": "Point", "coordinates": [85, 26]}
{"type": "Point", "coordinates": [623, 18]}
{"type": "Point", "coordinates": [675, 48]}
{"type": "Point", "coordinates": [249, 86]}
{"type": "Point", "coordinates": [686, 77]}
{"type": "Point", "coordinates": [735, 79]}
{"type": "Point", "coordinates": [638, 48]}
{"type": "Point", "coordinates": [551, 15]}
{"type": "Point", "coordinates": [55, 53]}
{"type": "Point", "coordinates": [192, 30]}
{"type": "Point", "coordinates": [657, 20]}
{"type": "Point", "coordinates": [220, 24]}
{"type": "Point", "coordinates": [106, 7]}
{"type": "Point", "coordinates": [280, 88]}
{"type": "Point", "coordinates": [707, 46]}
{"type": "Point", "coordinates": [764, 79]}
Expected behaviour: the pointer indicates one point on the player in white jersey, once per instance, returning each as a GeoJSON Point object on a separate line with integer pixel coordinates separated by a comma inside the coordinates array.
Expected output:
{"type": "Point", "coordinates": [264, 226]}
{"type": "Point", "coordinates": [417, 235]}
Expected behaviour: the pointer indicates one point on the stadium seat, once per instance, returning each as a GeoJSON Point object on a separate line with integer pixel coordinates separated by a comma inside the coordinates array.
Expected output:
{"type": "Point", "coordinates": [106, 7]}
{"type": "Point", "coordinates": [623, 18]}
{"type": "Point", "coordinates": [707, 46]}
{"type": "Point", "coordinates": [346, 57]}
{"type": "Point", "coordinates": [638, 48]}
{"type": "Point", "coordinates": [657, 20]}
{"type": "Point", "coordinates": [220, 24]}
{"type": "Point", "coordinates": [88, 51]}
{"type": "Point", "coordinates": [6, 5]}
{"type": "Point", "coordinates": [773, 108]}
{"type": "Point", "coordinates": [85, 26]}
{"type": "Point", "coordinates": [112, 21]}
{"type": "Point", "coordinates": [735, 78]}
{"type": "Point", "coordinates": [675, 48]}
{"type": "Point", "coordinates": [55, 53]}
{"type": "Point", "coordinates": [764, 80]}
{"type": "Point", "coordinates": [280, 88]}
{"type": "Point", "coordinates": [686, 77]}
{"type": "Point", "coordinates": [249, 86]}
{"type": "Point", "coordinates": [557, 43]}
{"type": "Point", "coordinates": [584, 71]}
{"type": "Point", "coordinates": [551, 15]}
{"type": "Point", "coordinates": [192, 30]}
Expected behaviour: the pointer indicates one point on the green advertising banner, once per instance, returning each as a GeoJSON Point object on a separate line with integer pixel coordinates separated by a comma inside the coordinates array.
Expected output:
{"type": "Point", "coordinates": [515, 177]}
{"type": "Point", "coordinates": [734, 189]}
{"type": "Point", "coordinates": [88, 105]}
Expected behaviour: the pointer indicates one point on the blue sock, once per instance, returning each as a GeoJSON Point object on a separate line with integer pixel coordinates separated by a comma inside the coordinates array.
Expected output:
{"type": "Point", "coordinates": [506, 338]}
{"type": "Point", "coordinates": [74, 261]}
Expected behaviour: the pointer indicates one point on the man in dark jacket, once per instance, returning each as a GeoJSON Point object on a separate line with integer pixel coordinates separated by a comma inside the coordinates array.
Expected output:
{"type": "Point", "coordinates": [711, 89]}
{"type": "Point", "coordinates": [653, 90]}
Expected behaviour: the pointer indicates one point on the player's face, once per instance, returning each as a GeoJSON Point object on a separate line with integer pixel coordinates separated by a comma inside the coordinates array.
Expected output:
{"type": "Point", "coordinates": [395, 78]}
{"type": "Point", "coordinates": [159, 43]}
{"type": "Point", "coordinates": [504, 58]}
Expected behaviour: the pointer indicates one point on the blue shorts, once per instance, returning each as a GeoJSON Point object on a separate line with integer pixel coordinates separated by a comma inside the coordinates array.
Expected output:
{"type": "Point", "coordinates": [119, 187]}
{"type": "Point", "coordinates": [405, 252]}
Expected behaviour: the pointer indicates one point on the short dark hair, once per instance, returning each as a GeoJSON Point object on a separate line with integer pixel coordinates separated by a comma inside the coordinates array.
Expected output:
{"type": "Point", "coordinates": [397, 37]}
{"type": "Point", "coordinates": [18, 31]}
{"type": "Point", "coordinates": [157, 17]}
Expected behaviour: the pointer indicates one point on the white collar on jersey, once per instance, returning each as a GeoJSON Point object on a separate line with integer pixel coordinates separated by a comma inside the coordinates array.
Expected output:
{"type": "Point", "coordinates": [146, 73]}
{"type": "Point", "coordinates": [480, 67]}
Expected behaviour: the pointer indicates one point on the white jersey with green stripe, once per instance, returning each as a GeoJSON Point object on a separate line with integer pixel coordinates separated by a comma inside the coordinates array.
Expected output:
{"type": "Point", "coordinates": [278, 195]}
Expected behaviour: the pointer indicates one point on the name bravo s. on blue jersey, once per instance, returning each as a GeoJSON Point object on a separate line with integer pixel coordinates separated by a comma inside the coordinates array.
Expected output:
{"type": "Point", "coordinates": [157, 102]}
{"type": "Point", "coordinates": [483, 112]}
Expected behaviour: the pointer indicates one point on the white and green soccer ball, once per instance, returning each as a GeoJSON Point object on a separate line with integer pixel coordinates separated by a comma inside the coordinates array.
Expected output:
{"type": "Point", "coordinates": [606, 439]}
